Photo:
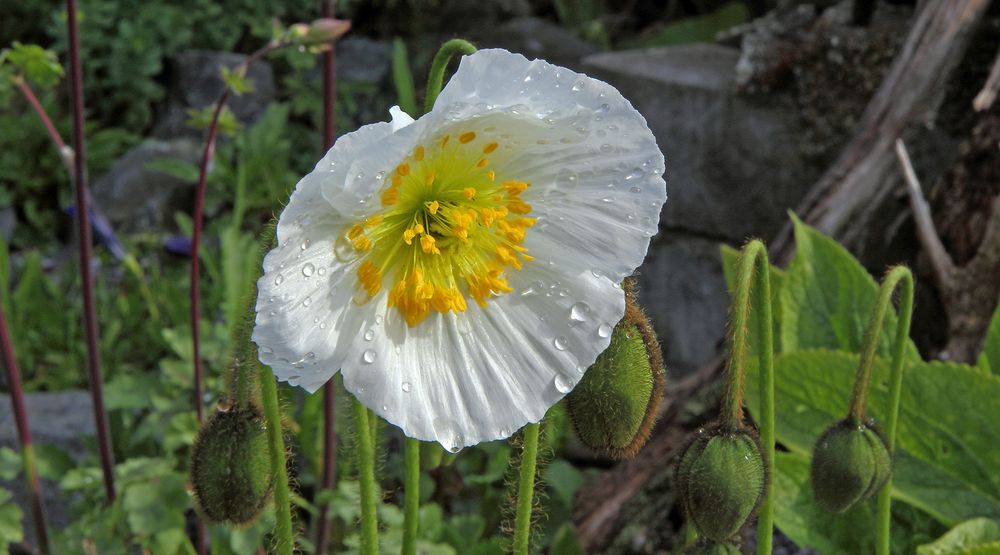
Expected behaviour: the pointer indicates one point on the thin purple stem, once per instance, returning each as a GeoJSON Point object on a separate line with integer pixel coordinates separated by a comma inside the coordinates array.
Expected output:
{"type": "Point", "coordinates": [86, 279]}
{"type": "Point", "coordinates": [54, 135]}
{"type": "Point", "coordinates": [23, 433]}
{"type": "Point", "coordinates": [329, 476]}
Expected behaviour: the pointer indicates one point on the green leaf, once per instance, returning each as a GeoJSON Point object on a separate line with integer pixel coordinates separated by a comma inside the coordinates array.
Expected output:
{"type": "Point", "coordinates": [53, 462]}
{"type": "Point", "coordinates": [10, 520]}
{"type": "Point", "coordinates": [185, 171]}
{"type": "Point", "coordinates": [696, 29]}
{"type": "Point", "coordinates": [156, 504]}
{"type": "Point", "coordinates": [565, 541]}
{"type": "Point", "coordinates": [10, 463]}
{"type": "Point", "coordinates": [564, 479]}
{"type": "Point", "coordinates": [978, 536]}
{"type": "Point", "coordinates": [402, 78]}
{"type": "Point", "coordinates": [36, 63]}
{"type": "Point", "coordinates": [463, 530]}
{"type": "Point", "coordinates": [236, 79]}
{"type": "Point", "coordinates": [730, 258]}
{"type": "Point", "coordinates": [947, 456]}
{"type": "Point", "coordinates": [989, 359]}
{"type": "Point", "coordinates": [827, 297]}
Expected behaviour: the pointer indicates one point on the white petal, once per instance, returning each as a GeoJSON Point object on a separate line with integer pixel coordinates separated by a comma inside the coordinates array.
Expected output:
{"type": "Point", "coordinates": [481, 375]}
{"type": "Point", "coordinates": [400, 119]}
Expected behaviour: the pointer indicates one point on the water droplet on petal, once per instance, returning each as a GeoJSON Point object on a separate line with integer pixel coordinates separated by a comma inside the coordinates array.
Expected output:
{"type": "Point", "coordinates": [562, 384]}
{"type": "Point", "coordinates": [447, 433]}
{"type": "Point", "coordinates": [604, 330]}
{"type": "Point", "coordinates": [606, 148]}
{"type": "Point", "coordinates": [307, 301]}
{"type": "Point", "coordinates": [369, 335]}
{"type": "Point", "coordinates": [579, 312]}
{"type": "Point", "coordinates": [305, 244]}
{"type": "Point", "coordinates": [560, 343]}
{"type": "Point", "coordinates": [406, 387]}
{"type": "Point", "coordinates": [278, 280]}
{"type": "Point", "coordinates": [369, 356]}
{"type": "Point", "coordinates": [308, 269]}
{"type": "Point", "coordinates": [343, 249]}
{"type": "Point", "coordinates": [321, 271]}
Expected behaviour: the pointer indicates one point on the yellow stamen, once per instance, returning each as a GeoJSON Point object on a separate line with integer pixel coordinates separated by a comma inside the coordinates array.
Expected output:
{"type": "Point", "coordinates": [432, 207]}
{"type": "Point", "coordinates": [418, 154]}
{"type": "Point", "coordinates": [466, 137]}
{"type": "Point", "coordinates": [403, 170]}
{"type": "Point", "coordinates": [482, 163]}
{"type": "Point", "coordinates": [469, 193]}
{"type": "Point", "coordinates": [490, 147]}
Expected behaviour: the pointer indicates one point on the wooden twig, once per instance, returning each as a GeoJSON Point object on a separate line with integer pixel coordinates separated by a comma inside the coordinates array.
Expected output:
{"type": "Point", "coordinates": [940, 259]}
{"type": "Point", "coordinates": [985, 98]}
{"type": "Point", "coordinates": [847, 196]}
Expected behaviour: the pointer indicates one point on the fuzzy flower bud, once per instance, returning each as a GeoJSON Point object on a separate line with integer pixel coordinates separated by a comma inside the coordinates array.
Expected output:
{"type": "Point", "coordinates": [720, 481]}
{"type": "Point", "coordinates": [614, 406]}
{"type": "Point", "coordinates": [327, 30]}
{"type": "Point", "coordinates": [231, 466]}
{"type": "Point", "coordinates": [850, 463]}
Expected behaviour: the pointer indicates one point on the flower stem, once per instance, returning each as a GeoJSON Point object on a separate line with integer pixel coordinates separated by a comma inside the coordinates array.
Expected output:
{"type": "Point", "coordinates": [86, 279]}
{"type": "Point", "coordinates": [753, 262]}
{"type": "Point", "coordinates": [412, 484]}
{"type": "Point", "coordinates": [24, 434]}
{"type": "Point", "coordinates": [65, 154]}
{"type": "Point", "coordinates": [276, 445]}
{"type": "Point", "coordinates": [526, 489]}
{"type": "Point", "coordinates": [328, 476]}
{"type": "Point", "coordinates": [435, 79]}
{"type": "Point", "coordinates": [901, 277]}
{"type": "Point", "coordinates": [366, 476]}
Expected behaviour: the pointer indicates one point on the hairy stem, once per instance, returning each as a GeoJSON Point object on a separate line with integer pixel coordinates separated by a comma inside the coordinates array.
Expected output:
{"type": "Point", "coordinates": [276, 445]}
{"type": "Point", "coordinates": [435, 79]}
{"type": "Point", "coordinates": [86, 279]}
{"type": "Point", "coordinates": [412, 484]}
{"type": "Point", "coordinates": [897, 277]}
{"type": "Point", "coordinates": [366, 477]}
{"type": "Point", "coordinates": [753, 263]}
{"type": "Point", "coordinates": [526, 490]}
{"type": "Point", "coordinates": [24, 435]}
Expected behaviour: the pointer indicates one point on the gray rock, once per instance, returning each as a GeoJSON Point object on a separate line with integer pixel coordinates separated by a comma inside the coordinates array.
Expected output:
{"type": "Point", "coordinates": [135, 197]}
{"type": "Point", "coordinates": [682, 288]}
{"type": "Point", "coordinates": [362, 60]}
{"type": "Point", "coordinates": [196, 82]}
{"type": "Point", "coordinates": [538, 38]}
{"type": "Point", "coordinates": [732, 164]}
{"type": "Point", "coordinates": [8, 221]}
{"type": "Point", "coordinates": [64, 420]}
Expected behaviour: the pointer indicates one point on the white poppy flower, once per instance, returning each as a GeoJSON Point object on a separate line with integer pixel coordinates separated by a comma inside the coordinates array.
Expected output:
{"type": "Point", "coordinates": [462, 270]}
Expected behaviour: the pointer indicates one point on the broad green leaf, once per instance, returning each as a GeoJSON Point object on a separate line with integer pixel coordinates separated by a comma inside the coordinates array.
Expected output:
{"type": "Point", "coordinates": [10, 463]}
{"type": "Point", "coordinates": [799, 517]}
{"type": "Point", "coordinates": [730, 258]}
{"type": "Point", "coordinates": [949, 421]}
{"type": "Point", "coordinates": [564, 479]}
{"type": "Point", "coordinates": [402, 78]}
{"type": "Point", "coordinates": [38, 64]}
{"type": "Point", "coordinates": [52, 462]}
{"type": "Point", "coordinates": [827, 298]}
{"type": "Point", "coordinates": [464, 530]}
{"type": "Point", "coordinates": [695, 29]}
{"type": "Point", "coordinates": [978, 536]}
{"type": "Point", "coordinates": [989, 359]}
{"type": "Point", "coordinates": [10, 521]}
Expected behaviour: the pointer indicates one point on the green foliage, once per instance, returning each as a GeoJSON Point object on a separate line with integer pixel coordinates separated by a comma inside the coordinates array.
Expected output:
{"type": "Point", "coordinates": [33, 62]}
{"type": "Point", "coordinates": [10, 521]}
{"type": "Point", "coordinates": [702, 28]}
{"type": "Point", "coordinates": [978, 536]}
{"type": "Point", "coordinates": [585, 18]}
{"type": "Point", "coordinates": [945, 459]}
{"type": "Point", "coordinates": [402, 78]}
{"type": "Point", "coordinates": [989, 359]}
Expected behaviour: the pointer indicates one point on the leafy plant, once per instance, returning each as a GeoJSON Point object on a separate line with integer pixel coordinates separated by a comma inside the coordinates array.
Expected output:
{"type": "Point", "coordinates": [946, 458]}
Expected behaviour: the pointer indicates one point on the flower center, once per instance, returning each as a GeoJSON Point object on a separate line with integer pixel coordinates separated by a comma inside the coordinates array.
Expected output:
{"type": "Point", "coordinates": [449, 228]}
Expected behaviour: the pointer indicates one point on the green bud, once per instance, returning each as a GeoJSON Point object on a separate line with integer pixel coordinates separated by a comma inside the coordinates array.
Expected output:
{"type": "Point", "coordinates": [327, 30]}
{"type": "Point", "coordinates": [231, 466]}
{"type": "Point", "coordinates": [850, 463]}
{"type": "Point", "coordinates": [720, 481]}
{"type": "Point", "coordinates": [708, 547]}
{"type": "Point", "coordinates": [615, 405]}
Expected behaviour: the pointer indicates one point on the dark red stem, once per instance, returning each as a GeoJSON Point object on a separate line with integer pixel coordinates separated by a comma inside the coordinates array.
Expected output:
{"type": "Point", "coordinates": [329, 392]}
{"type": "Point", "coordinates": [23, 433]}
{"type": "Point", "coordinates": [86, 279]}
{"type": "Point", "coordinates": [54, 135]}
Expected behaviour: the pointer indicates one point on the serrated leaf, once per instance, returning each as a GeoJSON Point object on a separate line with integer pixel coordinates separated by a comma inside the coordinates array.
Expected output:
{"type": "Point", "coordinates": [989, 359]}
{"type": "Point", "coordinates": [827, 297]}
{"type": "Point", "coordinates": [36, 63]}
{"type": "Point", "coordinates": [236, 80]}
{"type": "Point", "coordinates": [949, 420]}
{"type": "Point", "coordinates": [978, 536]}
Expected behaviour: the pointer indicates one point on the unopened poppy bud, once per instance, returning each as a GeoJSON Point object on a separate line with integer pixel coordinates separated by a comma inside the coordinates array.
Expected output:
{"type": "Point", "coordinates": [231, 466]}
{"type": "Point", "coordinates": [708, 547]}
{"type": "Point", "coordinates": [850, 463]}
{"type": "Point", "coordinates": [327, 30]}
{"type": "Point", "coordinates": [720, 481]}
{"type": "Point", "coordinates": [614, 406]}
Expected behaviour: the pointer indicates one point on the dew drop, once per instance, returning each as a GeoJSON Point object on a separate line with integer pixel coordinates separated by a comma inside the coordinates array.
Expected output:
{"type": "Point", "coordinates": [406, 387]}
{"type": "Point", "coordinates": [378, 319]}
{"type": "Point", "coordinates": [635, 189]}
{"type": "Point", "coordinates": [279, 279]}
{"type": "Point", "coordinates": [604, 330]}
{"type": "Point", "coordinates": [321, 271]}
{"type": "Point", "coordinates": [369, 335]}
{"type": "Point", "coordinates": [579, 312]}
{"type": "Point", "coordinates": [562, 384]}
{"type": "Point", "coordinates": [608, 199]}
{"type": "Point", "coordinates": [603, 109]}
{"type": "Point", "coordinates": [578, 86]}
{"type": "Point", "coordinates": [343, 249]}
{"type": "Point", "coordinates": [369, 356]}
{"type": "Point", "coordinates": [308, 301]}
{"type": "Point", "coordinates": [305, 244]}
{"type": "Point", "coordinates": [447, 432]}
{"type": "Point", "coordinates": [606, 148]}
{"type": "Point", "coordinates": [308, 269]}
{"type": "Point", "coordinates": [560, 343]}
